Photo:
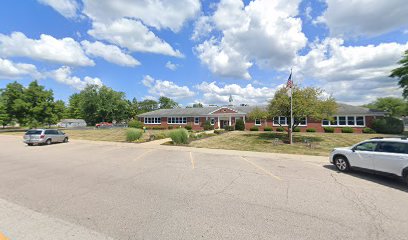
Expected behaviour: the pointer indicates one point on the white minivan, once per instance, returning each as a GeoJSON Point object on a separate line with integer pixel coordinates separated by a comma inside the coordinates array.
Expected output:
{"type": "Point", "coordinates": [382, 155]}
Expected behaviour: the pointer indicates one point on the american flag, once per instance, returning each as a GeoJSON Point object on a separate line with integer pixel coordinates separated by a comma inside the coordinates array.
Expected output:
{"type": "Point", "coordinates": [289, 84]}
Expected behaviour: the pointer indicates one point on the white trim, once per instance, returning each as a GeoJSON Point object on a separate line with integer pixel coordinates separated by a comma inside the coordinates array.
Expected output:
{"type": "Point", "coordinates": [198, 121]}
{"type": "Point", "coordinates": [347, 125]}
{"type": "Point", "coordinates": [260, 122]}
{"type": "Point", "coordinates": [235, 111]}
{"type": "Point", "coordinates": [182, 121]}
{"type": "Point", "coordinates": [155, 120]}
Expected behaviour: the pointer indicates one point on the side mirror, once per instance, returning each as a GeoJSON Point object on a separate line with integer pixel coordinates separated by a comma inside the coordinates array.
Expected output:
{"type": "Point", "coordinates": [353, 149]}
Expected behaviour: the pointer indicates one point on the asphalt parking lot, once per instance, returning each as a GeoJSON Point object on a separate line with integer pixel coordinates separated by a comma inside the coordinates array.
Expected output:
{"type": "Point", "coordinates": [94, 190]}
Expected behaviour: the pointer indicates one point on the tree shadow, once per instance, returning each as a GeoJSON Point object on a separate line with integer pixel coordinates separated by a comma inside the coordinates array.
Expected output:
{"type": "Point", "coordinates": [284, 137]}
{"type": "Point", "coordinates": [385, 180]}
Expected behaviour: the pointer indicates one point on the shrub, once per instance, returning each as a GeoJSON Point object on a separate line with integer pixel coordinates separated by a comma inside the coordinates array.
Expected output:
{"type": "Point", "coordinates": [328, 129]}
{"type": "Point", "coordinates": [188, 127]}
{"type": "Point", "coordinates": [310, 130]}
{"type": "Point", "coordinates": [219, 131]}
{"type": "Point", "coordinates": [207, 125]}
{"type": "Point", "coordinates": [135, 124]}
{"type": "Point", "coordinates": [280, 129]}
{"type": "Point", "coordinates": [388, 125]}
{"type": "Point", "coordinates": [179, 136]}
{"type": "Point", "coordinates": [267, 129]}
{"type": "Point", "coordinates": [239, 125]}
{"type": "Point", "coordinates": [368, 130]}
{"type": "Point", "coordinates": [347, 130]}
{"type": "Point", "coordinates": [229, 128]}
{"type": "Point", "coordinates": [170, 127]}
{"type": "Point", "coordinates": [296, 129]}
{"type": "Point", "coordinates": [254, 128]}
{"type": "Point", "coordinates": [133, 134]}
{"type": "Point", "coordinates": [156, 128]}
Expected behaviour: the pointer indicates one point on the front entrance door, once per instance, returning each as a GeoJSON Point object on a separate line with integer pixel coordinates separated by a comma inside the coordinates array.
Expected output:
{"type": "Point", "coordinates": [224, 123]}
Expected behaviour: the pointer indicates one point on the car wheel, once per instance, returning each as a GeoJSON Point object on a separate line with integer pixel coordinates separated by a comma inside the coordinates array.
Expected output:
{"type": "Point", "coordinates": [65, 140]}
{"type": "Point", "coordinates": [48, 142]}
{"type": "Point", "coordinates": [342, 163]}
{"type": "Point", "coordinates": [30, 144]}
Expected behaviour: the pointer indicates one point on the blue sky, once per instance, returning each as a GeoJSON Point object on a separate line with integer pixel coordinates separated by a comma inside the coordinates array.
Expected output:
{"type": "Point", "coordinates": [203, 51]}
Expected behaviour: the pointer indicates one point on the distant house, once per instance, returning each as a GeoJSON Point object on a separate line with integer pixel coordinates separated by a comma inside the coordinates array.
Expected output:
{"type": "Point", "coordinates": [72, 123]}
{"type": "Point", "coordinates": [220, 117]}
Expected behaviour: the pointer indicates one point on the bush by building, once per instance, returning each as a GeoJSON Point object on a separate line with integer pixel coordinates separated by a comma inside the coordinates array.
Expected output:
{"type": "Point", "coordinates": [280, 129]}
{"type": "Point", "coordinates": [133, 134]}
{"type": "Point", "coordinates": [296, 129]}
{"type": "Point", "coordinates": [388, 125]}
{"type": "Point", "coordinates": [268, 129]}
{"type": "Point", "coordinates": [368, 130]}
{"type": "Point", "coordinates": [310, 130]}
{"type": "Point", "coordinates": [207, 125]}
{"type": "Point", "coordinates": [229, 128]}
{"type": "Point", "coordinates": [135, 124]}
{"type": "Point", "coordinates": [328, 129]}
{"type": "Point", "coordinates": [239, 125]}
{"type": "Point", "coordinates": [188, 127]}
{"type": "Point", "coordinates": [170, 127]}
{"type": "Point", "coordinates": [179, 136]}
{"type": "Point", "coordinates": [254, 128]}
{"type": "Point", "coordinates": [347, 130]}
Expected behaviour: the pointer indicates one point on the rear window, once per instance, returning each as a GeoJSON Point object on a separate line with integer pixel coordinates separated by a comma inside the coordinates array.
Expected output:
{"type": "Point", "coordinates": [33, 132]}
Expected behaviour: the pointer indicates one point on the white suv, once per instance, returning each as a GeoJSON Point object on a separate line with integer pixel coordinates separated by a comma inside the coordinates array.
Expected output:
{"type": "Point", "coordinates": [383, 155]}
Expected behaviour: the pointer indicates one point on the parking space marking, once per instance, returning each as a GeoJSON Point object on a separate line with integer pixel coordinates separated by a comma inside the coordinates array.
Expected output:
{"type": "Point", "coordinates": [192, 160]}
{"type": "Point", "coordinates": [261, 168]}
{"type": "Point", "coordinates": [143, 154]}
{"type": "Point", "coordinates": [2, 237]}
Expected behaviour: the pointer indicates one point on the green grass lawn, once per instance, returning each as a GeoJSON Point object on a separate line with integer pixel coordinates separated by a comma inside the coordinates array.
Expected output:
{"type": "Point", "coordinates": [322, 143]}
{"type": "Point", "coordinates": [108, 134]}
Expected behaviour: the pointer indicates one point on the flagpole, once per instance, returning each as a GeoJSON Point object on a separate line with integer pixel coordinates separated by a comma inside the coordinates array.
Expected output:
{"type": "Point", "coordinates": [291, 110]}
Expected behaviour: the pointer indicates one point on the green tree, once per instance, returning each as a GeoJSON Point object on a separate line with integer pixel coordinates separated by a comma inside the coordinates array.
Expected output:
{"type": "Point", "coordinates": [40, 105]}
{"type": "Point", "coordinates": [307, 103]}
{"type": "Point", "coordinates": [396, 107]}
{"type": "Point", "coordinates": [167, 103]}
{"type": "Point", "coordinates": [198, 105]}
{"type": "Point", "coordinates": [402, 74]}
{"type": "Point", "coordinates": [148, 105]}
{"type": "Point", "coordinates": [15, 103]}
{"type": "Point", "coordinates": [258, 113]}
{"type": "Point", "coordinates": [4, 117]}
{"type": "Point", "coordinates": [74, 106]}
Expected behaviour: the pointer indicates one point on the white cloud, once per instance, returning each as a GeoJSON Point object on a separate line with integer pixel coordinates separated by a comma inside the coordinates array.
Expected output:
{"type": "Point", "coordinates": [353, 74]}
{"type": "Point", "coordinates": [171, 66]}
{"type": "Point", "coordinates": [11, 70]}
{"type": "Point", "coordinates": [133, 35]}
{"type": "Point", "coordinates": [64, 76]}
{"type": "Point", "coordinates": [158, 13]}
{"type": "Point", "coordinates": [202, 27]}
{"type": "Point", "coordinates": [166, 88]}
{"type": "Point", "coordinates": [65, 51]}
{"type": "Point", "coordinates": [215, 94]}
{"type": "Point", "coordinates": [67, 8]}
{"type": "Point", "coordinates": [364, 17]}
{"type": "Point", "coordinates": [110, 53]}
{"type": "Point", "coordinates": [265, 33]}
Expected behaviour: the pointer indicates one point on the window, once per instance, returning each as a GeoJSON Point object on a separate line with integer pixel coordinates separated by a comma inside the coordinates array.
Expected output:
{"type": "Point", "coordinates": [360, 121]}
{"type": "Point", "coordinates": [393, 147]}
{"type": "Point", "coordinates": [351, 120]}
{"type": "Point", "coordinates": [280, 120]}
{"type": "Point", "coordinates": [176, 120]}
{"type": "Point", "coordinates": [152, 120]}
{"type": "Point", "coordinates": [342, 120]}
{"type": "Point", "coordinates": [367, 146]}
{"type": "Point", "coordinates": [196, 120]}
{"type": "Point", "coordinates": [301, 121]}
{"type": "Point", "coordinates": [257, 121]}
{"type": "Point", "coordinates": [212, 120]}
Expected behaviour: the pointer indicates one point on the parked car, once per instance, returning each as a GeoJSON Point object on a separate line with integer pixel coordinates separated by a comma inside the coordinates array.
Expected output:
{"type": "Point", "coordinates": [103, 125]}
{"type": "Point", "coordinates": [380, 155]}
{"type": "Point", "coordinates": [44, 136]}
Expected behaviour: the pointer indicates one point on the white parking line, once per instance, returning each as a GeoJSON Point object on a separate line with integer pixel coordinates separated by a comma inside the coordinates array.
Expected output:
{"type": "Point", "coordinates": [192, 160]}
{"type": "Point", "coordinates": [261, 168]}
{"type": "Point", "coordinates": [143, 154]}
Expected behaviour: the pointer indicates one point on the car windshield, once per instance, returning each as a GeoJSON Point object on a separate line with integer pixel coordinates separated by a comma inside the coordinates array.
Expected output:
{"type": "Point", "coordinates": [33, 132]}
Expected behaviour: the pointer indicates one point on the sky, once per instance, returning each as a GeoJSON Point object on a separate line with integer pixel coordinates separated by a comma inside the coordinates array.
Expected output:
{"type": "Point", "coordinates": [204, 51]}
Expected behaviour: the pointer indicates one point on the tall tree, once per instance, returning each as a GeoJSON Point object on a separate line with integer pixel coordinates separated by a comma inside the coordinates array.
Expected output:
{"type": "Point", "coordinates": [15, 103]}
{"type": "Point", "coordinates": [258, 113]}
{"type": "Point", "coordinates": [307, 103]}
{"type": "Point", "coordinates": [396, 107]}
{"type": "Point", "coordinates": [148, 105]}
{"type": "Point", "coordinates": [167, 103]}
{"type": "Point", "coordinates": [41, 105]}
{"type": "Point", "coordinates": [4, 117]}
{"type": "Point", "coordinates": [198, 105]}
{"type": "Point", "coordinates": [402, 74]}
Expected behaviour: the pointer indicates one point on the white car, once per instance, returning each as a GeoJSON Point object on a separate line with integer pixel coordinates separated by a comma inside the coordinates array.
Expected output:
{"type": "Point", "coordinates": [382, 155]}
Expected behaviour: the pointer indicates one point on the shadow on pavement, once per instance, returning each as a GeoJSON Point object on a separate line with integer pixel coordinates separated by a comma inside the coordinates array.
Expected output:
{"type": "Point", "coordinates": [388, 181]}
